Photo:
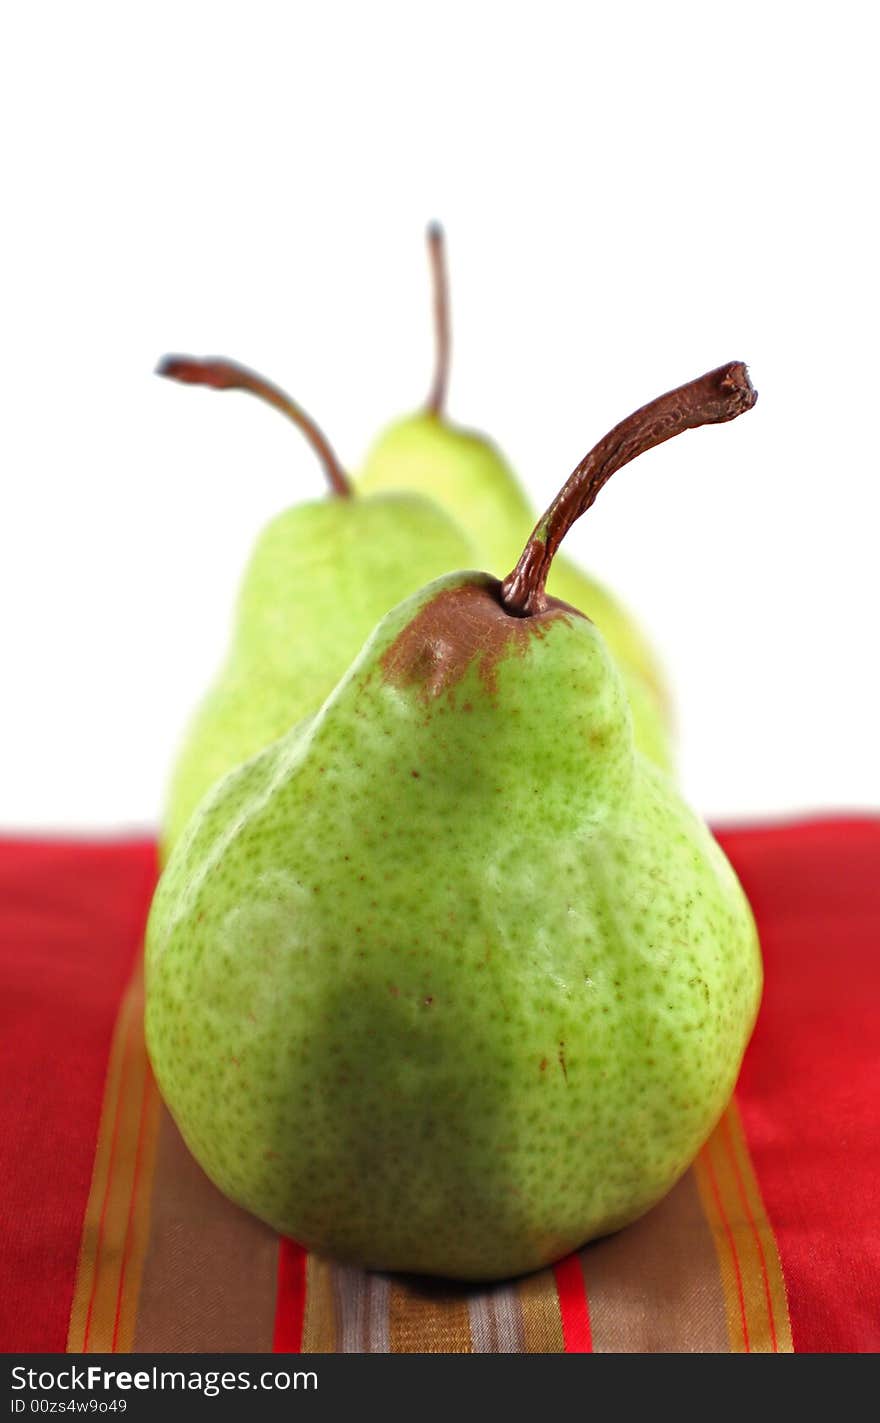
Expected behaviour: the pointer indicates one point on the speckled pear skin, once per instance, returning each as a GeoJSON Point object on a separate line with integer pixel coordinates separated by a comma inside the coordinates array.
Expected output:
{"type": "Point", "coordinates": [320, 578]}
{"type": "Point", "coordinates": [471, 479]}
{"type": "Point", "coordinates": [449, 979]}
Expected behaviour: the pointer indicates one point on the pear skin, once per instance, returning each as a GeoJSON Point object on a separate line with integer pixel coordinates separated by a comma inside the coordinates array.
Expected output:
{"type": "Point", "coordinates": [469, 477]}
{"type": "Point", "coordinates": [321, 576]}
{"type": "Point", "coordinates": [450, 980]}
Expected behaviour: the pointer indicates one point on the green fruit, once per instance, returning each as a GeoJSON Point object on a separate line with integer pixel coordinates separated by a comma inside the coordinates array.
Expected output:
{"type": "Point", "coordinates": [468, 475]}
{"type": "Point", "coordinates": [449, 979]}
{"type": "Point", "coordinates": [320, 577]}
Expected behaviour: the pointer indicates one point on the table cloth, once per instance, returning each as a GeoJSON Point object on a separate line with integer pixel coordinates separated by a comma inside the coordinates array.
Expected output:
{"type": "Point", "coordinates": [112, 1239]}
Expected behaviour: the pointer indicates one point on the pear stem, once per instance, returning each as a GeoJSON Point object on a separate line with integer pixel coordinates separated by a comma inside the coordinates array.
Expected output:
{"type": "Point", "coordinates": [719, 395]}
{"type": "Point", "coordinates": [220, 374]}
{"type": "Point", "coordinates": [436, 402]}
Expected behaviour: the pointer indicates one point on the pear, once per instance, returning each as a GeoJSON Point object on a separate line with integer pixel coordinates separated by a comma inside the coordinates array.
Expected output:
{"type": "Point", "coordinates": [449, 979]}
{"type": "Point", "coordinates": [321, 576]}
{"type": "Point", "coordinates": [469, 476]}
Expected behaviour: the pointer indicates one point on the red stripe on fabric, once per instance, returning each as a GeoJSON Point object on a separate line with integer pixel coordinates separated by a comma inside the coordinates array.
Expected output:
{"type": "Point", "coordinates": [71, 921]}
{"type": "Point", "coordinates": [741, 1192]}
{"type": "Point", "coordinates": [290, 1299]}
{"type": "Point", "coordinates": [719, 1204]}
{"type": "Point", "coordinates": [573, 1306]}
{"type": "Point", "coordinates": [810, 1083]}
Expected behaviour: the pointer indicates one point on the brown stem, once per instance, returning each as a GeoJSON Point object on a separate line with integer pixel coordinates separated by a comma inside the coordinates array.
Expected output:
{"type": "Point", "coordinates": [715, 397]}
{"type": "Point", "coordinates": [440, 286]}
{"type": "Point", "coordinates": [221, 374]}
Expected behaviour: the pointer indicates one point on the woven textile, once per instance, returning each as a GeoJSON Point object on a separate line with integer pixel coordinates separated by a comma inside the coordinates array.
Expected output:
{"type": "Point", "coordinates": [112, 1239]}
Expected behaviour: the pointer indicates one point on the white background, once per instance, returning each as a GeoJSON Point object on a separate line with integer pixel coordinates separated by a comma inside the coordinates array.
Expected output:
{"type": "Point", "coordinates": [632, 193]}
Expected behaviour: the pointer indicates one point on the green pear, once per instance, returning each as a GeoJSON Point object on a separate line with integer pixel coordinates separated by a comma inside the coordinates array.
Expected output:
{"type": "Point", "coordinates": [449, 979]}
{"type": "Point", "coordinates": [469, 476]}
{"type": "Point", "coordinates": [321, 576]}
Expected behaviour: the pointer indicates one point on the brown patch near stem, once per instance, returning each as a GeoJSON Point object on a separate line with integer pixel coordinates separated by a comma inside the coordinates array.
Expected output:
{"type": "Point", "coordinates": [459, 627]}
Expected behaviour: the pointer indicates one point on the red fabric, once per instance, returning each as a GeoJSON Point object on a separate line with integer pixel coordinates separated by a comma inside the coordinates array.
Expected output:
{"type": "Point", "coordinates": [810, 1088]}
{"type": "Point", "coordinates": [291, 1302]}
{"type": "Point", "coordinates": [573, 1307]}
{"type": "Point", "coordinates": [71, 920]}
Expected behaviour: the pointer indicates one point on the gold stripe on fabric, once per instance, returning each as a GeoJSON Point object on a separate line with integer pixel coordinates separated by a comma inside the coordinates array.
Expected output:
{"type": "Point", "coordinates": [319, 1323]}
{"type": "Point", "coordinates": [135, 1251]}
{"type": "Point", "coordinates": [116, 1220]}
{"type": "Point", "coordinates": [428, 1319]}
{"type": "Point", "coordinates": [771, 1262]}
{"type": "Point", "coordinates": [541, 1318]}
{"type": "Point", "coordinates": [751, 1272]}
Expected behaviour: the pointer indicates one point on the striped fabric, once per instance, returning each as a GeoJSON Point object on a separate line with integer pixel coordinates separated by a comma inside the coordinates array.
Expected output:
{"type": "Point", "coordinates": [162, 1262]}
